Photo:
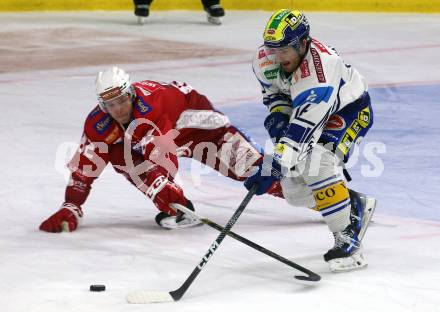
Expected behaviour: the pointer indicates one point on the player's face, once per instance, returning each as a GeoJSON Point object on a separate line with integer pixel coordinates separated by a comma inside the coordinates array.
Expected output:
{"type": "Point", "coordinates": [288, 58]}
{"type": "Point", "coordinates": [120, 108]}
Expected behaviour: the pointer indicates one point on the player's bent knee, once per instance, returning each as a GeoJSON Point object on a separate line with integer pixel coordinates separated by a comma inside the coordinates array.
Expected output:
{"type": "Point", "coordinates": [297, 193]}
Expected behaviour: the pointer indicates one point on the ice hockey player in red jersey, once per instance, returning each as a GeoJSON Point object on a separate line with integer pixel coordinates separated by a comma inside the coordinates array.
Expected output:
{"type": "Point", "coordinates": [142, 129]}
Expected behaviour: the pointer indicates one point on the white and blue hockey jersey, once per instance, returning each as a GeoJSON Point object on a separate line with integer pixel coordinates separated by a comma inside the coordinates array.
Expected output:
{"type": "Point", "coordinates": [321, 86]}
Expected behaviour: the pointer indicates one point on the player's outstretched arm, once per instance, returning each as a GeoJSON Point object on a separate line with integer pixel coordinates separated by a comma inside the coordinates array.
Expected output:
{"type": "Point", "coordinates": [86, 165]}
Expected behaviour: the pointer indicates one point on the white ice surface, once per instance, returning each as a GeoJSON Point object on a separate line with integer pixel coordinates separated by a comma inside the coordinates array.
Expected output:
{"type": "Point", "coordinates": [120, 245]}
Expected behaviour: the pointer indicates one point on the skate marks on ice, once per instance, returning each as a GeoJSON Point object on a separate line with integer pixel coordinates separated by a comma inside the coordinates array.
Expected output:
{"type": "Point", "coordinates": [66, 47]}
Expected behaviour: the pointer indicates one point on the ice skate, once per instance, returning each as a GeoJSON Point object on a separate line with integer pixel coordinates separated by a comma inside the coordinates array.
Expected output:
{"type": "Point", "coordinates": [179, 221]}
{"type": "Point", "coordinates": [346, 255]}
{"type": "Point", "coordinates": [142, 11]}
{"type": "Point", "coordinates": [362, 210]}
{"type": "Point", "coordinates": [214, 14]}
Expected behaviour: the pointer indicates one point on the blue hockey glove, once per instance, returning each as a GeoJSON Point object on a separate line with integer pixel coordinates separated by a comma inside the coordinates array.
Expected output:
{"type": "Point", "coordinates": [276, 124]}
{"type": "Point", "coordinates": [265, 176]}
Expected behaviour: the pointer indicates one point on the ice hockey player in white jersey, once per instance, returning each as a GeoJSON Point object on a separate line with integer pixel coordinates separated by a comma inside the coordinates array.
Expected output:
{"type": "Point", "coordinates": [319, 108]}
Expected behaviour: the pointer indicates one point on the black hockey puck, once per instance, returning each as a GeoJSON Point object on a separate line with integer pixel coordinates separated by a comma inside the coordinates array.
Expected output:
{"type": "Point", "coordinates": [97, 287]}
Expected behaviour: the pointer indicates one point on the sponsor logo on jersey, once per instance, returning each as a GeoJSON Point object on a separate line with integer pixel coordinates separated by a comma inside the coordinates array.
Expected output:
{"type": "Point", "coordinates": [278, 151]}
{"type": "Point", "coordinates": [142, 107]}
{"type": "Point", "coordinates": [113, 136]}
{"type": "Point", "coordinates": [271, 74]}
{"type": "Point", "coordinates": [352, 132]}
{"type": "Point", "coordinates": [356, 127]}
{"type": "Point", "coordinates": [103, 124]}
{"type": "Point", "coordinates": [335, 122]}
{"type": "Point", "coordinates": [318, 65]}
{"type": "Point", "coordinates": [201, 119]}
{"type": "Point", "coordinates": [150, 86]}
{"type": "Point", "coordinates": [266, 63]}
{"type": "Point", "coordinates": [147, 87]}
{"type": "Point", "coordinates": [305, 71]}
{"type": "Point", "coordinates": [313, 96]}
{"type": "Point", "coordinates": [364, 117]}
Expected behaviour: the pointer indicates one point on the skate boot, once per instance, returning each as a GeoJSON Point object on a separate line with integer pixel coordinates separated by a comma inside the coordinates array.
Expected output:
{"type": "Point", "coordinates": [142, 11]}
{"type": "Point", "coordinates": [215, 13]}
{"type": "Point", "coordinates": [346, 255]}
{"type": "Point", "coordinates": [179, 221]}
{"type": "Point", "coordinates": [362, 209]}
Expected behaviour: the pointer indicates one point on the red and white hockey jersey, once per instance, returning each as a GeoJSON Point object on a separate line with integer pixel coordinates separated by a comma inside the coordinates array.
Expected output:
{"type": "Point", "coordinates": [163, 120]}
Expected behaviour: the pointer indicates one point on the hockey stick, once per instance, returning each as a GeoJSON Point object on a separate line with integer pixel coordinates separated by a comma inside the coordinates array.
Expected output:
{"type": "Point", "coordinates": [311, 276]}
{"type": "Point", "coordinates": [145, 296]}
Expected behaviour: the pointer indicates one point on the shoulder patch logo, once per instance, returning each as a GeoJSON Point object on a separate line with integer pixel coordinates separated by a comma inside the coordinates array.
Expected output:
{"type": "Point", "coordinates": [271, 74]}
{"type": "Point", "coordinates": [103, 124]}
{"type": "Point", "coordinates": [142, 107]}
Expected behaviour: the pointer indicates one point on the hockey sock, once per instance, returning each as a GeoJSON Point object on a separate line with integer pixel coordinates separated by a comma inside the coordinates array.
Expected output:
{"type": "Point", "coordinates": [333, 202]}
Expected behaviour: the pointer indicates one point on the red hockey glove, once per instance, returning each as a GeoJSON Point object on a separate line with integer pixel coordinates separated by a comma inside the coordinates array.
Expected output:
{"type": "Point", "coordinates": [164, 192]}
{"type": "Point", "coordinates": [66, 219]}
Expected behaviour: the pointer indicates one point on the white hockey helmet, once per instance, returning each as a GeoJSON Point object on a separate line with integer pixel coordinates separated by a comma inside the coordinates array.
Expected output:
{"type": "Point", "coordinates": [111, 84]}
